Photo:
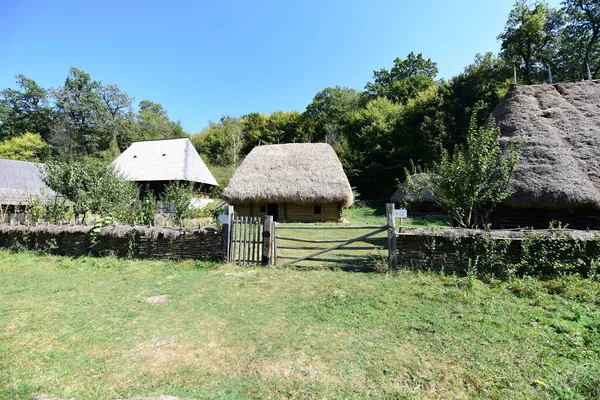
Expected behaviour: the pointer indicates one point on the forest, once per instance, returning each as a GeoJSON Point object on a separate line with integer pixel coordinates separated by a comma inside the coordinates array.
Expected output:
{"type": "Point", "coordinates": [403, 117]}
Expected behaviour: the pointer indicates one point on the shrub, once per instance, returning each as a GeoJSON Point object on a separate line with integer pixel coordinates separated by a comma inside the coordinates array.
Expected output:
{"type": "Point", "coordinates": [176, 201]}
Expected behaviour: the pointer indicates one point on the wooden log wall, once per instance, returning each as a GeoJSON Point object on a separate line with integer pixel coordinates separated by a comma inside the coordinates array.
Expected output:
{"type": "Point", "coordinates": [290, 212]}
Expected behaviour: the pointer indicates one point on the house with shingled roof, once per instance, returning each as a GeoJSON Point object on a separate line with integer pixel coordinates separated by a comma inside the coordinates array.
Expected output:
{"type": "Point", "coordinates": [153, 164]}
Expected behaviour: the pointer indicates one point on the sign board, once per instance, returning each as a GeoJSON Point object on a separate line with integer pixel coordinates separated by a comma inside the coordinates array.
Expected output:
{"type": "Point", "coordinates": [223, 218]}
{"type": "Point", "coordinates": [401, 213]}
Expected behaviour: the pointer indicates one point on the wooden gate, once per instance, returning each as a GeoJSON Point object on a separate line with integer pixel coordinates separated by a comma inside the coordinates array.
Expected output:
{"type": "Point", "coordinates": [323, 246]}
{"type": "Point", "coordinates": [257, 240]}
{"type": "Point", "coordinates": [246, 243]}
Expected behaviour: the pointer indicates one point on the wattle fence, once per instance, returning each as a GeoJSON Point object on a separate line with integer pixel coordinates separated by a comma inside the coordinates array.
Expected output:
{"type": "Point", "coordinates": [122, 241]}
{"type": "Point", "coordinates": [253, 241]}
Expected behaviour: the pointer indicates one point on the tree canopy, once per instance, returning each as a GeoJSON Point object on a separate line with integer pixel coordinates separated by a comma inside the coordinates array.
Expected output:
{"type": "Point", "coordinates": [404, 113]}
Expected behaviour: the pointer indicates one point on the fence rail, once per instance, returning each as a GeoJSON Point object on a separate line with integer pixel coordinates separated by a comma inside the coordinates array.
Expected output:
{"type": "Point", "coordinates": [254, 240]}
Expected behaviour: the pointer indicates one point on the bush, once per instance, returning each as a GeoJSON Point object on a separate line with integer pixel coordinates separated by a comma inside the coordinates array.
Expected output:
{"type": "Point", "coordinates": [176, 201]}
{"type": "Point", "coordinates": [91, 187]}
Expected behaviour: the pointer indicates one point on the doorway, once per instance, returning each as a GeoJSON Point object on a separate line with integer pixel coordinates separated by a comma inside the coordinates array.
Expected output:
{"type": "Point", "coordinates": [273, 209]}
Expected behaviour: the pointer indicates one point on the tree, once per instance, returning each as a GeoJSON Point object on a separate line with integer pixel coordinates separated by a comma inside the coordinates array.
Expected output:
{"type": "Point", "coordinates": [326, 115]}
{"type": "Point", "coordinates": [27, 147]}
{"type": "Point", "coordinates": [285, 127]}
{"type": "Point", "coordinates": [233, 131]}
{"type": "Point", "coordinates": [475, 92]}
{"type": "Point", "coordinates": [177, 198]}
{"type": "Point", "coordinates": [580, 43]}
{"type": "Point", "coordinates": [83, 114]}
{"type": "Point", "coordinates": [25, 110]}
{"type": "Point", "coordinates": [469, 184]}
{"type": "Point", "coordinates": [212, 143]}
{"type": "Point", "coordinates": [529, 39]}
{"type": "Point", "coordinates": [154, 122]}
{"type": "Point", "coordinates": [405, 79]}
{"type": "Point", "coordinates": [90, 186]}
{"type": "Point", "coordinates": [369, 147]}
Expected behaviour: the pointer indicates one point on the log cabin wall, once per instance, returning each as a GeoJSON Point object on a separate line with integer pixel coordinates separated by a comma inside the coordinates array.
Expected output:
{"type": "Point", "coordinates": [293, 212]}
{"type": "Point", "coordinates": [538, 218]}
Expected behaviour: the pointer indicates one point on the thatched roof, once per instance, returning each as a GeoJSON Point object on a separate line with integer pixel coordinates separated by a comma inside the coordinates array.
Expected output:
{"type": "Point", "coordinates": [401, 194]}
{"type": "Point", "coordinates": [163, 160]}
{"type": "Point", "coordinates": [21, 181]}
{"type": "Point", "coordinates": [559, 126]}
{"type": "Point", "coordinates": [299, 173]}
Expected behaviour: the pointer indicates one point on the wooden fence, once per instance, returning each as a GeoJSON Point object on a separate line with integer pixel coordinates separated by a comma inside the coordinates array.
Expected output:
{"type": "Point", "coordinates": [254, 240]}
{"type": "Point", "coordinates": [317, 244]}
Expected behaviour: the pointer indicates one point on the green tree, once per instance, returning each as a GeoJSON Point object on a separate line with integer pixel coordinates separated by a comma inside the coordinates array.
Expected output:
{"type": "Point", "coordinates": [255, 127]}
{"type": "Point", "coordinates": [325, 117]}
{"type": "Point", "coordinates": [177, 199]}
{"type": "Point", "coordinates": [154, 122]}
{"type": "Point", "coordinates": [469, 184]}
{"type": "Point", "coordinates": [580, 43]}
{"type": "Point", "coordinates": [405, 79]}
{"type": "Point", "coordinates": [474, 92]}
{"type": "Point", "coordinates": [27, 147]}
{"type": "Point", "coordinates": [25, 110]}
{"type": "Point", "coordinates": [368, 149]}
{"type": "Point", "coordinates": [284, 127]}
{"type": "Point", "coordinates": [212, 144]}
{"type": "Point", "coordinates": [90, 186]}
{"type": "Point", "coordinates": [83, 115]}
{"type": "Point", "coordinates": [529, 39]}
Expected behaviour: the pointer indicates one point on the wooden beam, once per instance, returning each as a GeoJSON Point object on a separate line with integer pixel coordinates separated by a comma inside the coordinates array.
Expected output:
{"type": "Point", "coordinates": [328, 227]}
{"type": "Point", "coordinates": [337, 246]}
{"type": "Point", "coordinates": [391, 228]}
{"type": "Point", "coordinates": [323, 248]}
{"type": "Point", "coordinates": [333, 260]}
{"type": "Point", "coordinates": [227, 233]}
{"type": "Point", "coordinates": [267, 240]}
{"type": "Point", "coordinates": [292, 239]}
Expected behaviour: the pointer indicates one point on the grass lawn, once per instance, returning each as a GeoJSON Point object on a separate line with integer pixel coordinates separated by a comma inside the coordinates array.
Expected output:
{"type": "Point", "coordinates": [93, 329]}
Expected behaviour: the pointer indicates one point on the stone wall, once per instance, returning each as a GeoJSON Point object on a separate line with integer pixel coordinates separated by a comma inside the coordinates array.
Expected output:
{"type": "Point", "coordinates": [123, 241]}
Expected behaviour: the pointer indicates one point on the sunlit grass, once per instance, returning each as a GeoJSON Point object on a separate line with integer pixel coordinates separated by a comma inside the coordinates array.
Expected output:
{"type": "Point", "coordinates": [83, 328]}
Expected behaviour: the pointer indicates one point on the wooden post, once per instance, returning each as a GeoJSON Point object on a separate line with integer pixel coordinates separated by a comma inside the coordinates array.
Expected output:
{"type": "Point", "coordinates": [267, 241]}
{"type": "Point", "coordinates": [392, 251]}
{"type": "Point", "coordinates": [227, 233]}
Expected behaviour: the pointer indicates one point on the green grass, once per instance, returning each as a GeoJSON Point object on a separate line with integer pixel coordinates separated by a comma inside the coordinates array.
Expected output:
{"type": "Point", "coordinates": [376, 216]}
{"type": "Point", "coordinates": [82, 328]}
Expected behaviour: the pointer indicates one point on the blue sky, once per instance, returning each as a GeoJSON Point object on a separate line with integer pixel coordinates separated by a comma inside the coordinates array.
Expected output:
{"type": "Point", "coordinates": [205, 59]}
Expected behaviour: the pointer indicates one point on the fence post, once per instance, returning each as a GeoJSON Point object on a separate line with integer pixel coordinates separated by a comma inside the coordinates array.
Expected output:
{"type": "Point", "coordinates": [267, 240]}
{"type": "Point", "coordinates": [391, 223]}
{"type": "Point", "coordinates": [227, 232]}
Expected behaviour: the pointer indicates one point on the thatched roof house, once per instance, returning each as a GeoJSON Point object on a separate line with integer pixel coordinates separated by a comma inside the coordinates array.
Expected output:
{"type": "Point", "coordinates": [21, 181]}
{"type": "Point", "coordinates": [423, 204]}
{"type": "Point", "coordinates": [295, 182]}
{"type": "Point", "coordinates": [155, 163]}
{"type": "Point", "coordinates": [558, 176]}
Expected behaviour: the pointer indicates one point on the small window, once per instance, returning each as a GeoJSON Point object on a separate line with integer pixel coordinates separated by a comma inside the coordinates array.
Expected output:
{"type": "Point", "coordinates": [317, 210]}
{"type": "Point", "coordinates": [263, 209]}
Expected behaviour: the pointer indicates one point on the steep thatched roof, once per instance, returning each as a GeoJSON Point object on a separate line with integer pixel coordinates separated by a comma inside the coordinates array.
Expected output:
{"type": "Point", "coordinates": [559, 126]}
{"type": "Point", "coordinates": [426, 196]}
{"type": "Point", "coordinates": [299, 173]}
{"type": "Point", "coordinates": [163, 160]}
{"type": "Point", "coordinates": [21, 181]}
